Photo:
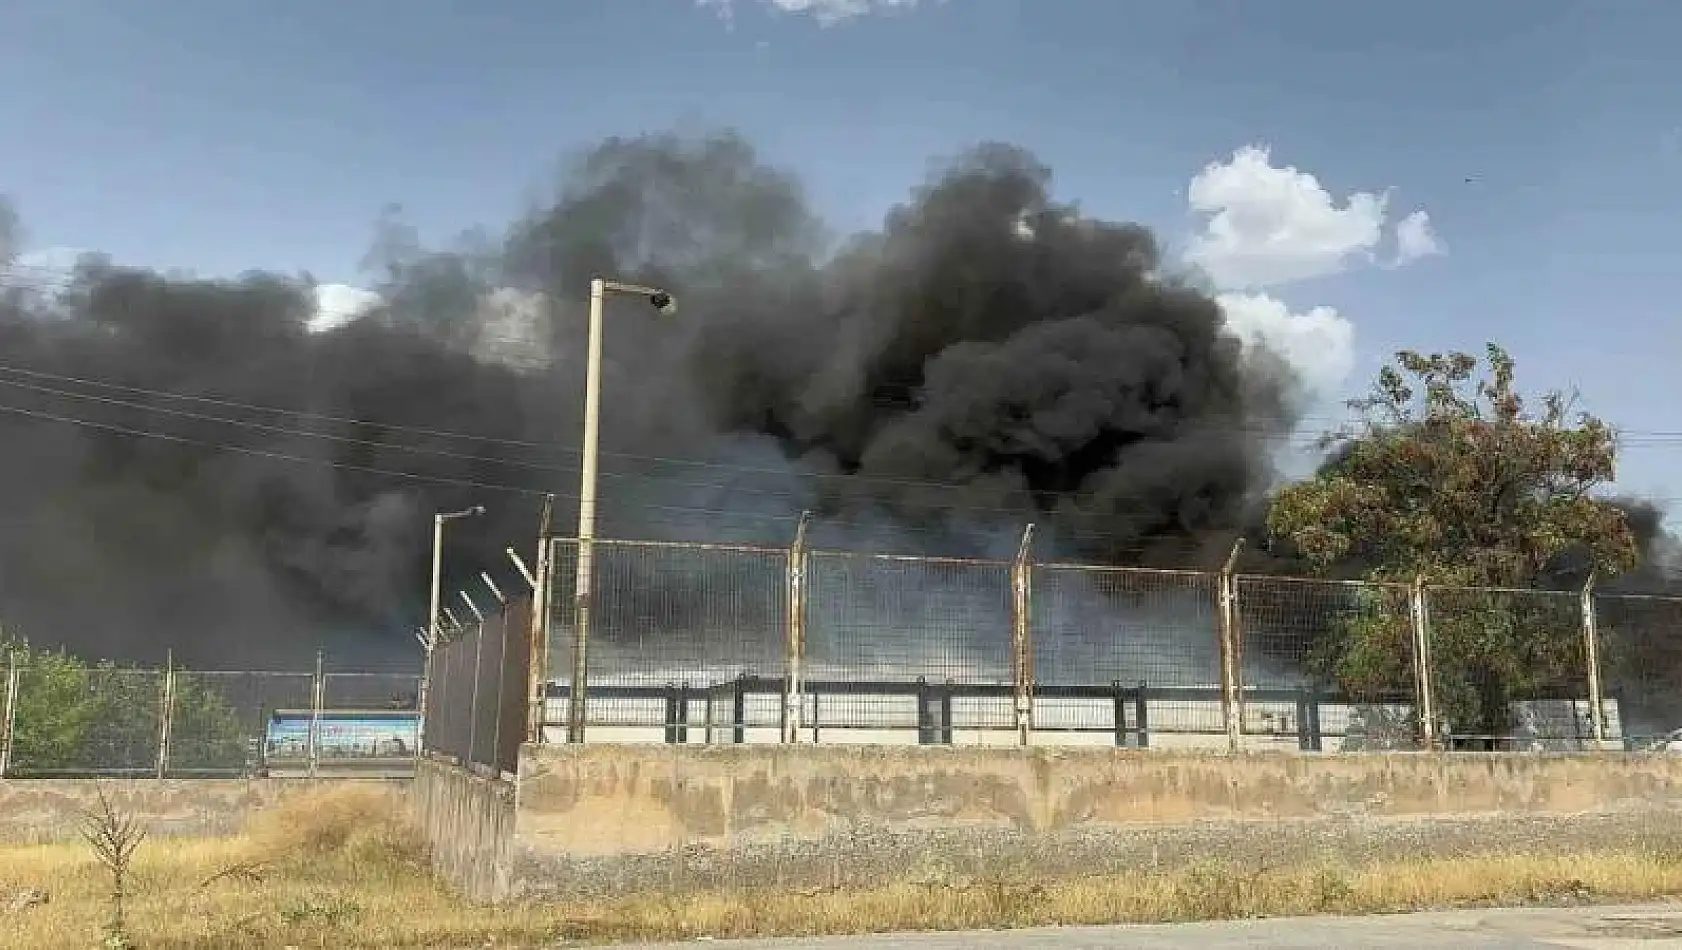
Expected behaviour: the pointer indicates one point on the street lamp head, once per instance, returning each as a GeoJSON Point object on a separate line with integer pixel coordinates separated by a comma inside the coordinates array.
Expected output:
{"type": "Point", "coordinates": [472, 512]}
{"type": "Point", "coordinates": [663, 302]}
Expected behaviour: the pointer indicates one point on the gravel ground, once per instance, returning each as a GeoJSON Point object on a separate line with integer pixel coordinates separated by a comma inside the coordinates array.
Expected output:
{"type": "Point", "coordinates": [869, 856]}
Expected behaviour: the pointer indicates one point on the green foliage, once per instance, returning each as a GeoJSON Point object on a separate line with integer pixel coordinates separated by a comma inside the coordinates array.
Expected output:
{"type": "Point", "coordinates": [1455, 481]}
{"type": "Point", "coordinates": [1367, 652]}
{"type": "Point", "coordinates": [76, 717]}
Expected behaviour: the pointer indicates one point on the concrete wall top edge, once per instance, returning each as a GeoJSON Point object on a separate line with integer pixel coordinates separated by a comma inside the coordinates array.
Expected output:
{"type": "Point", "coordinates": [1002, 754]}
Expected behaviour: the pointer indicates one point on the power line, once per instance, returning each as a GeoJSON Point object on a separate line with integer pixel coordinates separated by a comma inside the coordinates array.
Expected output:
{"type": "Point", "coordinates": [535, 466]}
{"type": "Point", "coordinates": [261, 453]}
{"type": "Point", "coordinates": [850, 479]}
{"type": "Point", "coordinates": [468, 436]}
{"type": "Point", "coordinates": [790, 518]}
{"type": "Point", "coordinates": [1158, 547]}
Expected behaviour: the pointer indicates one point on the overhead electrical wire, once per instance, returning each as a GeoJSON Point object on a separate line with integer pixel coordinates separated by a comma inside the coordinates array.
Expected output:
{"type": "Point", "coordinates": [687, 510]}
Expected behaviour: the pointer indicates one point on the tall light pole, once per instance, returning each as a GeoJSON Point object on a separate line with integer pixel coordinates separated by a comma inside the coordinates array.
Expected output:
{"type": "Point", "coordinates": [666, 305]}
{"type": "Point", "coordinates": [434, 607]}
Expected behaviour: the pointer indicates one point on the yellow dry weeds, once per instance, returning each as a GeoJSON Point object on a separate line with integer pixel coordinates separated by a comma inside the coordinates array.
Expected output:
{"type": "Point", "coordinates": [339, 869]}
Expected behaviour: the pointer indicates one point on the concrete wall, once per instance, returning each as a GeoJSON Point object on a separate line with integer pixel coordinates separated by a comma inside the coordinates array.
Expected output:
{"type": "Point", "coordinates": [37, 811]}
{"type": "Point", "coordinates": [612, 818]}
{"type": "Point", "coordinates": [468, 822]}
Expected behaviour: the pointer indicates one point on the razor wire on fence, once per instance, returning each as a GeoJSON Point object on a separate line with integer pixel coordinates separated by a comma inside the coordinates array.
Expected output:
{"type": "Point", "coordinates": [727, 643]}
{"type": "Point", "coordinates": [63, 718]}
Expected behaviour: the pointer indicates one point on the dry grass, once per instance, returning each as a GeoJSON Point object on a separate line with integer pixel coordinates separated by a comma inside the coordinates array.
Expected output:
{"type": "Point", "coordinates": [338, 869]}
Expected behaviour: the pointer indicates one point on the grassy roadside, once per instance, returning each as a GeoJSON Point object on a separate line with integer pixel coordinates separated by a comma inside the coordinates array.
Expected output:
{"type": "Point", "coordinates": [339, 870]}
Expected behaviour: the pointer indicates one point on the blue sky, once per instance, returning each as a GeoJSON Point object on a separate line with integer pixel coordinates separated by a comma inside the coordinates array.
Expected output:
{"type": "Point", "coordinates": [221, 135]}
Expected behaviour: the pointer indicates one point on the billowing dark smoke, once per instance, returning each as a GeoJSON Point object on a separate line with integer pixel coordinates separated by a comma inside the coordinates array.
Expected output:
{"type": "Point", "coordinates": [990, 357]}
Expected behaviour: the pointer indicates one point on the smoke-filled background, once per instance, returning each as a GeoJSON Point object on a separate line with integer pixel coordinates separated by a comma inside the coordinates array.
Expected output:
{"type": "Point", "coordinates": [988, 357]}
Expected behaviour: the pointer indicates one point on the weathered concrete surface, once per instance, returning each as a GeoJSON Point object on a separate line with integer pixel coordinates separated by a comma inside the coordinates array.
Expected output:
{"type": "Point", "coordinates": [468, 823]}
{"type": "Point", "coordinates": [599, 820]}
{"type": "Point", "coordinates": [599, 800]}
{"type": "Point", "coordinates": [875, 855]}
{"type": "Point", "coordinates": [39, 811]}
{"type": "Point", "coordinates": [1638, 927]}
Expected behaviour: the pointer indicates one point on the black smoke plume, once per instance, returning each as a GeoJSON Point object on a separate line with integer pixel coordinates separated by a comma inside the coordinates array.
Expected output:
{"type": "Point", "coordinates": [989, 357]}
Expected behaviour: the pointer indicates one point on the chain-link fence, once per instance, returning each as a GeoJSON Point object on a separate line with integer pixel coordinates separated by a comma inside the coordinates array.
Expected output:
{"type": "Point", "coordinates": [1327, 664]}
{"type": "Point", "coordinates": [221, 721]}
{"type": "Point", "coordinates": [65, 718]}
{"type": "Point", "coordinates": [678, 635]}
{"type": "Point", "coordinates": [902, 647]}
{"type": "Point", "coordinates": [1126, 654]}
{"type": "Point", "coordinates": [709, 643]}
{"type": "Point", "coordinates": [727, 643]}
{"type": "Point", "coordinates": [1509, 669]}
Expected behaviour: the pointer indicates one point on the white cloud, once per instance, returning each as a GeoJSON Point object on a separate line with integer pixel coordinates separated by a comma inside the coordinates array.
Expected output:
{"type": "Point", "coordinates": [1415, 239]}
{"type": "Point", "coordinates": [338, 304]}
{"type": "Point", "coordinates": [1267, 225]}
{"type": "Point", "coordinates": [1318, 343]}
{"type": "Point", "coordinates": [825, 12]}
{"type": "Point", "coordinates": [1264, 225]}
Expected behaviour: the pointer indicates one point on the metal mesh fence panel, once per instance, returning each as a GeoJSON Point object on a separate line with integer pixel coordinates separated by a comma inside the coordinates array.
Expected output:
{"type": "Point", "coordinates": [558, 661]}
{"type": "Point", "coordinates": [514, 700]}
{"type": "Point", "coordinates": [1508, 668]}
{"type": "Point", "coordinates": [1330, 663]}
{"type": "Point", "coordinates": [486, 695]}
{"type": "Point", "coordinates": [480, 714]}
{"type": "Point", "coordinates": [883, 631]}
{"type": "Point", "coordinates": [74, 721]}
{"type": "Point", "coordinates": [668, 615]}
{"type": "Point", "coordinates": [220, 721]}
{"type": "Point", "coordinates": [450, 699]}
{"type": "Point", "coordinates": [1640, 639]}
{"type": "Point", "coordinates": [1100, 630]}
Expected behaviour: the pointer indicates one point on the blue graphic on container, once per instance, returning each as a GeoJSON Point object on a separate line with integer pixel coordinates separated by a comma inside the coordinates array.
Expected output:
{"type": "Point", "coordinates": [342, 735]}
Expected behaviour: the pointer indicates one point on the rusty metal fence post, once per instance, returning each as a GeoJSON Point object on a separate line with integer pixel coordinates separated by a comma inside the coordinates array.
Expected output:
{"type": "Point", "coordinates": [537, 669]}
{"type": "Point", "coordinates": [1591, 658]}
{"type": "Point", "coordinates": [166, 713]}
{"type": "Point", "coordinates": [1022, 636]}
{"type": "Point", "coordinates": [318, 693]}
{"type": "Point", "coordinates": [794, 703]}
{"type": "Point", "coordinates": [1420, 614]}
{"type": "Point", "coordinates": [8, 725]}
{"type": "Point", "coordinates": [1232, 692]}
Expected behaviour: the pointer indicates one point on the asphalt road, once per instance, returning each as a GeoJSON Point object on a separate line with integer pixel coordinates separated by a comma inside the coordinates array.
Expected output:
{"type": "Point", "coordinates": [1647, 927]}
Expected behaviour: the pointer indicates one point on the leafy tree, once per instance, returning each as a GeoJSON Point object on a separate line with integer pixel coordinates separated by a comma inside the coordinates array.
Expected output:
{"type": "Point", "coordinates": [1456, 480]}
{"type": "Point", "coordinates": [75, 717]}
{"type": "Point", "coordinates": [206, 731]}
